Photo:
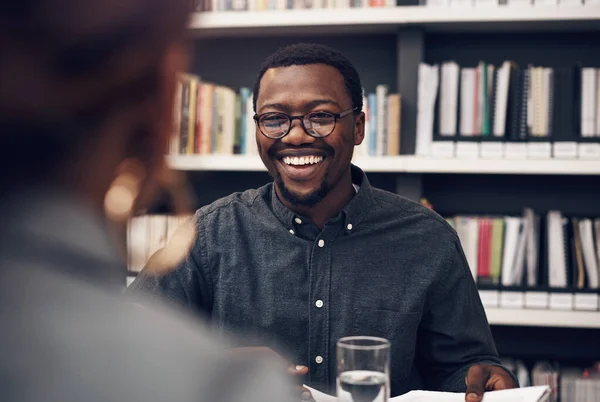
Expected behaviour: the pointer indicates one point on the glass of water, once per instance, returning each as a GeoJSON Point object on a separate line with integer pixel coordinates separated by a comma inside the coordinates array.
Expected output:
{"type": "Point", "coordinates": [363, 369]}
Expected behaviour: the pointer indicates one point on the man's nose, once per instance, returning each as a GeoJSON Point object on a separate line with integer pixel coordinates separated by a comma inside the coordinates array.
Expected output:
{"type": "Point", "coordinates": [297, 135]}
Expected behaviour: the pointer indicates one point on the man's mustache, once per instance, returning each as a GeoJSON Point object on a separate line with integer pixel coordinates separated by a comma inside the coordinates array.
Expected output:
{"type": "Point", "coordinates": [277, 148]}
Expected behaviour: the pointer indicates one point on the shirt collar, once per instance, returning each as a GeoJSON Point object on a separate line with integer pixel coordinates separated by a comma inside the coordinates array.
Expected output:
{"type": "Point", "coordinates": [360, 205]}
{"type": "Point", "coordinates": [282, 213]}
{"type": "Point", "coordinates": [353, 212]}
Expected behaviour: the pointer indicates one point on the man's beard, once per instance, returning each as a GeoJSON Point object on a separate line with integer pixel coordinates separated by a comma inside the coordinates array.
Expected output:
{"type": "Point", "coordinates": [309, 200]}
{"type": "Point", "coordinates": [294, 199]}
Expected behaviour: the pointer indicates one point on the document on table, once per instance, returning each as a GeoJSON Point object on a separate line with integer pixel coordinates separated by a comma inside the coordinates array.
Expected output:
{"type": "Point", "coordinates": [527, 394]}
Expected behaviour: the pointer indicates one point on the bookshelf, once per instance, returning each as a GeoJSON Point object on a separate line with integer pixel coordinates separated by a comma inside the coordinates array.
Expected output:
{"type": "Point", "coordinates": [402, 164]}
{"type": "Point", "coordinates": [388, 20]}
{"type": "Point", "coordinates": [543, 318]}
{"type": "Point", "coordinates": [387, 45]}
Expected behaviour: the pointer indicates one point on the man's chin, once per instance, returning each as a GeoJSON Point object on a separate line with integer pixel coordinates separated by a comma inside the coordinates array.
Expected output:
{"type": "Point", "coordinates": [306, 198]}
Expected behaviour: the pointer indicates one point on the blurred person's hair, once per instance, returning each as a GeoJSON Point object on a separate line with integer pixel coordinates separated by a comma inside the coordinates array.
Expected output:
{"type": "Point", "coordinates": [68, 68]}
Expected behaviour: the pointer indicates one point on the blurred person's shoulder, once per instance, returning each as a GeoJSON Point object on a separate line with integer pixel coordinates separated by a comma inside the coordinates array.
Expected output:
{"type": "Point", "coordinates": [97, 345]}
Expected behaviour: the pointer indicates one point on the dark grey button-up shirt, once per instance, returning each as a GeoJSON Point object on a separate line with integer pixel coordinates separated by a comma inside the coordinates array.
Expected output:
{"type": "Point", "coordinates": [385, 266]}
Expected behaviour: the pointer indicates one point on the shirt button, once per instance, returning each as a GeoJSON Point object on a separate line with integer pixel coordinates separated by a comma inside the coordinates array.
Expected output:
{"type": "Point", "coordinates": [321, 243]}
{"type": "Point", "coordinates": [319, 303]}
{"type": "Point", "coordinates": [292, 231]}
{"type": "Point", "coordinates": [298, 221]}
{"type": "Point", "coordinates": [319, 359]}
{"type": "Point", "coordinates": [349, 226]}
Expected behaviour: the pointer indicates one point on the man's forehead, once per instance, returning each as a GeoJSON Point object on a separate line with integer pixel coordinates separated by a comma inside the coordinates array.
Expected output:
{"type": "Point", "coordinates": [303, 71]}
{"type": "Point", "coordinates": [303, 83]}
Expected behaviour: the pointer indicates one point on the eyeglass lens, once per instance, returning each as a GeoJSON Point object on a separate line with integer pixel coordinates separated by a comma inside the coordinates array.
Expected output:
{"type": "Point", "coordinates": [318, 124]}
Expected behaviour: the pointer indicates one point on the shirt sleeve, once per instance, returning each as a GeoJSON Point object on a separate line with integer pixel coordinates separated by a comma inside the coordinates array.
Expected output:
{"type": "Point", "coordinates": [184, 284]}
{"type": "Point", "coordinates": [454, 332]}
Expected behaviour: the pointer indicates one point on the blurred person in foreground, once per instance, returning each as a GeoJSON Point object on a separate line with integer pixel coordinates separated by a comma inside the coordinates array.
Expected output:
{"type": "Point", "coordinates": [86, 92]}
{"type": "Point", "coordinates": [320, 254]}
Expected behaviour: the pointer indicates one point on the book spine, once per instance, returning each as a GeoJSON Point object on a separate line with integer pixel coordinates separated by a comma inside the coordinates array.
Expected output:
{"type": "Point", "coordinates": [373, 124]}
{"type": "Point", "coordinates": [175, 135]}
{"type": "Point", "coordinates": [199, 115]}
{"type": "Point", "coordinates": [192, 116]}
{"type": "Point", "coordinates": [185, 117]}
{"type": "Point", "coordinates": [244, 95]}
{"type": "Point", "coordinates": [382, 119]}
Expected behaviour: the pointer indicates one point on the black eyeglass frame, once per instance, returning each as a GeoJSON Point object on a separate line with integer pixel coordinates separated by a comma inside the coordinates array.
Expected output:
{"type": "Point", "coordinates": [291, 119]}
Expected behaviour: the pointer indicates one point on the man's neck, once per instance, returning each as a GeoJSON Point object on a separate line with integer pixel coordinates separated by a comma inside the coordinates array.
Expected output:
{"type": "Point", "coordinates": [328, 207]}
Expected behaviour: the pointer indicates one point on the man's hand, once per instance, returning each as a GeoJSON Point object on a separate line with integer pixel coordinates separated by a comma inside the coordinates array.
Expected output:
{"type": "Point", "coordinates": [486, 377]}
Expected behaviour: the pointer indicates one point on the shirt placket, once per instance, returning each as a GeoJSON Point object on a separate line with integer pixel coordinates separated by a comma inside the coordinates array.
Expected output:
{"type": "Point", "coordinates": [319, 308]}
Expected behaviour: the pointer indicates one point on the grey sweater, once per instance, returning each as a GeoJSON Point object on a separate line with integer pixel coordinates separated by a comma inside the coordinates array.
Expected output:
{"type": "Point", "coordinates": [69, 335]}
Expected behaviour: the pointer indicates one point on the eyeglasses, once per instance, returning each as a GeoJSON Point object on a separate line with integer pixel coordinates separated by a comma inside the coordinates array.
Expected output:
{"type": "Point", "coordinates": [277, 125]}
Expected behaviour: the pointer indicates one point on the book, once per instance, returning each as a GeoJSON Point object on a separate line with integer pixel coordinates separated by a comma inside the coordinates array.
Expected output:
{"type": "Point", "coordinates": [428, 83]}
{"type": "Point", "coordinates": [393, 129]}
{"type": "Point", "coordinates": [381, 94]}
{"type": "Point", "coordinates": [448, 109]}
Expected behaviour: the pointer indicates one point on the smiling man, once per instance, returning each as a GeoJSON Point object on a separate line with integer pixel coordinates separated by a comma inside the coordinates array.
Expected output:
{"type": "Point", "coordinates": [320, 254]}
{"type": "Point", "coordinates": [298, 108]}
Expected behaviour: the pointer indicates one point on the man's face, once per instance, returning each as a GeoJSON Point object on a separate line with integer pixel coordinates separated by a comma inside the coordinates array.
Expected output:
{"type": "Point", "coordinates": [307, 168]}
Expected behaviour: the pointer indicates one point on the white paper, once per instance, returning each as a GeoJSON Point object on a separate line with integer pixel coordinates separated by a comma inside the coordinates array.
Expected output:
{"type": "Point", "coordinates": [528, 394]}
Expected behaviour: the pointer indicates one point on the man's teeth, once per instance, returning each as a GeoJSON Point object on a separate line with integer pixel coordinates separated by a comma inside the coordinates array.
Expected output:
{"type": "Point", "coordinates": [302, 160]}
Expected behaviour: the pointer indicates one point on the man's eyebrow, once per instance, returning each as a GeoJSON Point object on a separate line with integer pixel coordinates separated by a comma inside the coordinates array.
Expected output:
{"type": "Point", "coordinates": [319, 102]}
{"type": "Point", "coordinates": [308, 105]}
{"type": "Point", "coordinates": [277, 106]}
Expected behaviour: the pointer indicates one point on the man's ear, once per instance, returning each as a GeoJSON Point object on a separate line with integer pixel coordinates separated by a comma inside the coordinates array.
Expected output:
{"type": "Point", "coordinates": [359, 128]}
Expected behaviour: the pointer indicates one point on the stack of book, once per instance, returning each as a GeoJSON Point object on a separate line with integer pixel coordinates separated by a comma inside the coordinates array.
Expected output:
{"type": "Point", "coordinates": [382, 123]}
{"type": "Point", "coordinates": [263, 5]}
{"type": "Point", "coordinates": [146, 234]}
{"type": "Point", "coordinates": [526, 3]}
{"type": "Point", "coordinates": [529, 261]}
{"type": "Point", "coordinates": [214, 119]}
{"type": "Point", "coordinates": [508, 111]}
{"type": "Point", "coordinates": [568, 384]}
{"type": "Point", "coordinates": [580, 385]}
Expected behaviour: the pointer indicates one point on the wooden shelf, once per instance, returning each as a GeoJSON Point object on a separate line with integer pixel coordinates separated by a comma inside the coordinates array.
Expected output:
{"type": "Point", "coordinates": [405, 164]}
{"type": "Point", "coordinates": [503, 166]}
{"type": "Point", "coordinates": [543, 318]}
{"type": "Point", "coordinates": [388, 20]}
{"type": "Point", "coordinates": [216, 163]}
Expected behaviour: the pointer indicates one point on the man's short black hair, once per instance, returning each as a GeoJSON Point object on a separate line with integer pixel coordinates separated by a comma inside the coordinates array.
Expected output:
{"type": "Point", "coordinates": [302, 54]}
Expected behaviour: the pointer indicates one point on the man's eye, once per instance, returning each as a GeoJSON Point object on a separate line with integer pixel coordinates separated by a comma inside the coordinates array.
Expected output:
{"type": "Point", "coordinates": [321, 115]}
{"type": "Point", "coordinates": [274, 118]}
